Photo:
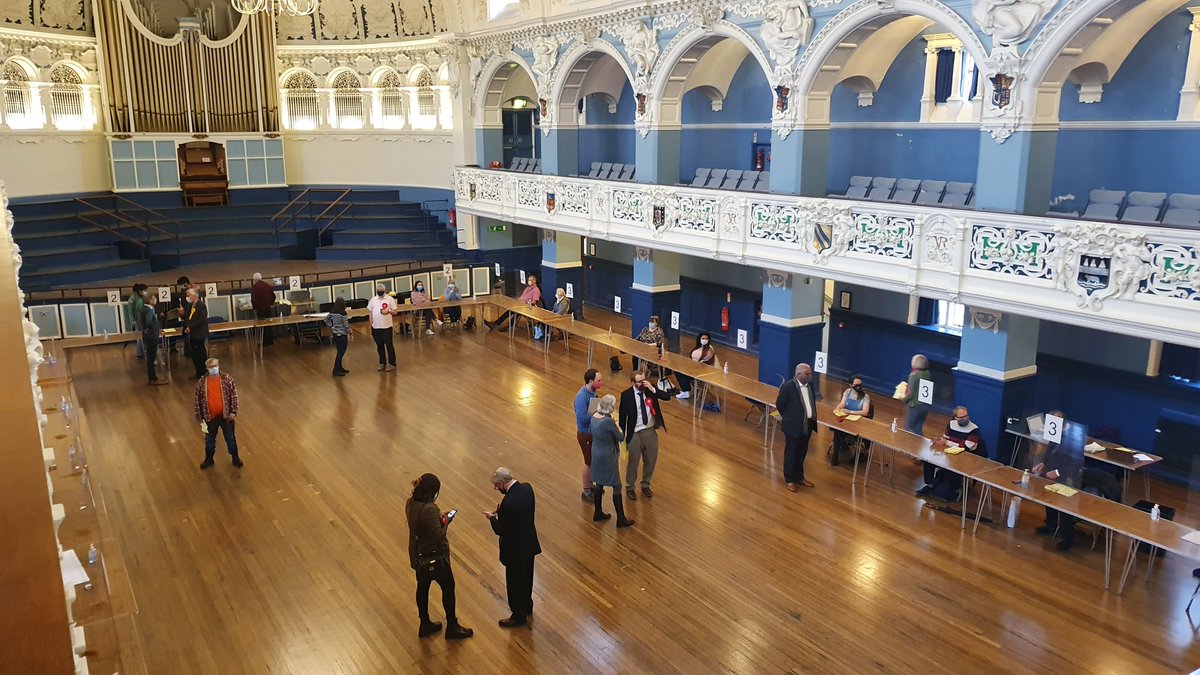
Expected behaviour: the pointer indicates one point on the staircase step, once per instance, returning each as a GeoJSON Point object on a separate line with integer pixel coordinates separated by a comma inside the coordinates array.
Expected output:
{"type": "Point", "coordinates": [69, 275]}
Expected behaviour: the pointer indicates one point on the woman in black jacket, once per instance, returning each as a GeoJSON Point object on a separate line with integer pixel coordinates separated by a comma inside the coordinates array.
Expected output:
{"type": "Point", "coordinates": [429, 554]}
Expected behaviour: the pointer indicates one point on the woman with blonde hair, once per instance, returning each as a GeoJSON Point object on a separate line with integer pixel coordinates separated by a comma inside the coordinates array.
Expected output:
{"type": "Point", "coordinates": [606, 452]}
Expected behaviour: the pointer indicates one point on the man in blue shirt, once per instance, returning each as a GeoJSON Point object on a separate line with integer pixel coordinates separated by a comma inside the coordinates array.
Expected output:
{"type": "Point", "coordinates": [583, 425]}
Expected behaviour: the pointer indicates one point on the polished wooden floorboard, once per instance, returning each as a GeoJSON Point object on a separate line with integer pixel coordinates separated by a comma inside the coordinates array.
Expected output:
{"type": "Point", "coordinates": [298, 563]}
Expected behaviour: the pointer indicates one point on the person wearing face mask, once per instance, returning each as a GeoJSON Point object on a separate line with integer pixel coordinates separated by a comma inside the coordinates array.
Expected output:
{"type": "Point", "coordinates": [855, 401]}
{"type": "Point", "coordinates": [641, 418]}
{"type": "Point", "coordinates": [419, 297]}
{"type": "Point", "coordinates": [961, 432]}
{"type": "Point", "coordinates": [380, 308]}
{"type": "Point", "coordinates": [429, 555]}
{"type": "Point", "coordinates": [195, 322]}
{"type": "Point", "coordinates": [606, 458]}
{"type": "Point", "coordinates": [704, 353]}
{"type": "Point", "coordinates": [216, 407]}
{"type": "Point", "coordinates": [652, 334]}
{"type": "Point", "coordinates": [797, 406]}
{"type": "Point", "coordinates": [532, 295]}
{"type": "Point", "coordinates": [452, 294]}
{"type": "Point", "coordinates": [513, 522]}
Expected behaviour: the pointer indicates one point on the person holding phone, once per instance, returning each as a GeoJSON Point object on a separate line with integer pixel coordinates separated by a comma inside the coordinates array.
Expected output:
{"type": "Point", "coordinates": [429, 554]}
{"type": "Point", "coordinates": [641, 418]}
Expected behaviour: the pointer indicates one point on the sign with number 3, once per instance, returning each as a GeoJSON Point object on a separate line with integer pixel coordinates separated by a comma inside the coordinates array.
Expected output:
{"type": "Point", "coordinates": [925, 392]}
{"type": "Point", "coordinates": [1052, 429]}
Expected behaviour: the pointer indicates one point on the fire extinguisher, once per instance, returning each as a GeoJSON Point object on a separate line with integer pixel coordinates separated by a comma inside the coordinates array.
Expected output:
{"type": "Point", "coordinates": [725, 319]}
{"type": "Point", "coordinates": [452, 217]}
{"type": "Point", "coordinates": [759, 156]}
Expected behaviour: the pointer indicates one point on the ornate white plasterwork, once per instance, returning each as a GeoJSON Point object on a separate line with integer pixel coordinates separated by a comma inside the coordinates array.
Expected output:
{"type": "Point", "coordinates": [942, 236]}
{"type": "Point", "coordinates": [986, 319]}
{"type": "Point", "coordinates": [1009, 22]}
{"type": "Point", "coordinates": [786, 26]}
{"type": "Point", "coordinates": [1098, 261]}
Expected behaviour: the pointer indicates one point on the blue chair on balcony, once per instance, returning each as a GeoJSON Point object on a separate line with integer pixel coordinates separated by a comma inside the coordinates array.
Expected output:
{"type": "Point", "coordinates": [595, 170]}
{"type": "Point", "coordinates": [881, 188]}
{"type": "Point", "coordinates": [732, 178]}
{"type": "Point", "coordinates": [1183, 210]}
{"type": "Point", "coordinates": [958, 194]}
{"type": "Point", "coordinates": [626, 172]}
{"type": "Point", "coordinates": [764, 182]}
{"type": "Point", "coordinates": [1144, 207]}
{"type": "Point", "coordinates": [701, 177]}
{"type": "Point", "coordinates": [859, 185]}
{"type": "Point", "coordinates": [749, 178]}
{"type": "Point", "coordinates": [715, 178]}
{"type": "Point", "coordinates": [1104, 204]}
{"type": "Point", "coordinates": [931, 191]}
{"type": "Point", "coordinates": [906, 190]}
{"type": "Point", "coordinates": [605, 168]}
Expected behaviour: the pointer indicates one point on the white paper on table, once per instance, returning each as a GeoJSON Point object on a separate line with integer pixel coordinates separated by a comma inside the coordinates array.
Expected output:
{"type": "Point", "coordinates": [1142, 457]}
{"type": "Point", "coordinates": [318, 315]}
{"type": "Point", "coordinates": [1093, 447]}
{"type": "Point", "coordinates": [1193, 537]}
{"type": "Point", "coordinates": [73, 573]}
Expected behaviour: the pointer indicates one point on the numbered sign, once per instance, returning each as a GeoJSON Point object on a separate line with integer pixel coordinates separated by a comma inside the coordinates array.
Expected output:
{"type": "Point", "coordinates": [294, 283]}
{"type": "Point", "coordinates": [925, 392]}
{"type": "Point", "coordinates": [164, 293]}
{"type": "Point", "coordinates": [617, 304]}
{"type": "Point", "coordinates": [114, 296]}
{"type": "Point", "coordinates": [570, 290]}
{"type": "Point", "coordinates": [210, 290]}
{"type": "Point", "coordinates": [448, 270]}
{"type": "Point", "coordinates": [523, 276]}
{"type": "Point", "coordinates": [742, 338]}
{"type": "Point", "coordinates": [675, 320]}
{"type": "Point", "coordinates": [497, 269]}
{"type": "Point", "coordinates": [1052, 429]}
{"type": "Point", "coordinates": [820, 362]}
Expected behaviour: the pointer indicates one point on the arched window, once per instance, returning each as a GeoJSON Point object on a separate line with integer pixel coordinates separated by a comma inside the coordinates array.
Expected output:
{"type": "Point", "coordinates": [18, 97]}
{"type": "Point", "coordinates": [426, 96]}
{"type": "Point", "coordinates": [347, 101]}
{"type": "Point", "coordinates": [66, 99]}
{"type": "Point", "coordinates": [300, 96]}
{"type": "Point", "coordinates": [391, 101]}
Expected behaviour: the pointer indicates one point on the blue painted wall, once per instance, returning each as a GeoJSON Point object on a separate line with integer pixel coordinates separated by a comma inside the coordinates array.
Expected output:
{"type": "Point", "coordinates": [608, 143]}
{"type": "Point", "coordinates": [906, 152]}
{"type": "Point", "coordinates": [1120, 352]}
{"type": "Point", "coordinates": [715, 145]}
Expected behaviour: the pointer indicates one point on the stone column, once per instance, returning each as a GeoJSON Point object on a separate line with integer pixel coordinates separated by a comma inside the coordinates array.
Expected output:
{"type": "Point", "coordinates": [995, 378]}
{"type": "Point", "coordinates": [655, 291]}
{"type": "Point", "coordinates": [791, 326]}
{"type": "Point", "coordinates": [562, 264]}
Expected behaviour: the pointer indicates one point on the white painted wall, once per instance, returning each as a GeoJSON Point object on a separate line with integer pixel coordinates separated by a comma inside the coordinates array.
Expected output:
{"type": "Point", "coordinates": [414, 160]}
{"type": "Point", "coordinates": [36, 165]}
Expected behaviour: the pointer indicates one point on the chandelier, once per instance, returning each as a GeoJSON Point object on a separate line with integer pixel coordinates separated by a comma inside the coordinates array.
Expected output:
{"type": "Point", "coordinates": [278, 7]}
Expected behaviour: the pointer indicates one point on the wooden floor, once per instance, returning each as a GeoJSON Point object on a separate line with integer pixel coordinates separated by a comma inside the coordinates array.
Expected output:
{"type": "Point", "coordinates": [298, 563]}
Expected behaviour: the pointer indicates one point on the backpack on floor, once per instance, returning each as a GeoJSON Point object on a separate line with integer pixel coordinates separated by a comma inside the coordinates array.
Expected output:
{"type": "Point", "coordinates": [469, 324]}
{"type": "Point", "coordinates": [614, 364]}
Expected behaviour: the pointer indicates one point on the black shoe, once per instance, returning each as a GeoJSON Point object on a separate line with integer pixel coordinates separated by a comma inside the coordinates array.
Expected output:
{"type": "Point", "coordinates": [625, 523]}
{"type": "Point", "coordinates": [338, 373]}
{"type": "Point", "coordinates": [457, 632]}
{"type": "Point", "coordinates": [1044, 530]}
{"type": "Point", "coordinates": [597, 517]}
{"type": "Point", "coordinates": [490, 325]}
{"type": "Point", "coordinates": [630, 494]}
{"type": "Point", "coordinates": [513, 621]}
{"type": "Point", "coordinates": [925, 489]}
{"type": "Point", "coordinates": [206, 463]}
{"type": "Point", "coordinates": [237, 463]}
{"type": "Point", "coordinates": [1064, 544]}
{"type": "Point", "coordinates": [429, 628]}
{"type": "Point", "coordinates": [647, 492]}
{"type": "Point", "coordinates": [343, 371]}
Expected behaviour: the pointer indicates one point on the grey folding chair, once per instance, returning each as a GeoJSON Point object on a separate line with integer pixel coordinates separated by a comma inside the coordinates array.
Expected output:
{"type": "Point", "coordinates": [732, 178]}
{"type": "Point", "coordinates": [715, 178]}
{"type": "Point", "coordinates": [595, 172]}
{"type": "Point", "coordinates": [931, 191]}
{"type": "Point", "coordinates": [881, 188]}
{"type": "Point", "coordinates": [1104, 204]}
{"type": "Point", "coordinates": [1144, 207]}
{"type": "Point", "coordinates": [858, 187]}
{"type": "Point", "coordinates": [906, 190]}
{"type": "Point", "coordinates": [701, 177]}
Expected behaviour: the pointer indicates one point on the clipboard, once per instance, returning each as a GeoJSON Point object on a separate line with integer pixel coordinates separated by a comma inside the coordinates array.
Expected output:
{"type": "Point", "coordinates": [593, 405]}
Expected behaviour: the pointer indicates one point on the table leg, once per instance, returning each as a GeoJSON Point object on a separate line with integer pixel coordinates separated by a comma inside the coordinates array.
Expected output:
{"type": "Point", "coordinates": [1012, 461]}
{"type": "Point", "coordinates": [1125, 482]}
{"type": "Point", "coordinates": [986, 495]}
{"type": "Point", "coordinates": [1129, 560]}
{"type": "Point", "coordinates": [703, 400]}
{"type": "Point", "coordinates": [1108, 546]}
{"type": "Point", "coordinates": [854, 476]}
{"type": "Point", "coordinates": [870, 461]}
{"type": "Point", "coordinates": [1146, 480]}
{"type": "Point", "coordinates": [1150, 563]}
{"type": "Point", "coordinates": [966, 492]}
{"type": "Point", "coordinates": [165, 350]}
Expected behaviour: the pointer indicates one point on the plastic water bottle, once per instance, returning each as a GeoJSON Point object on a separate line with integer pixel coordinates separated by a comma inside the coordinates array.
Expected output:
{"type": "Point", "coordinates": [93, 555]}
{"type": "Point", "coordinates": [73, 454]}
{"type": "Point", "coordinates": [106, 335]}
{"type": "Point", "coordinates": [1154, 513]}
{"type": "Point", "coordinates": [1025, 479]}
{"type": "Point", "coordinates": [62, 404]}
{"type": "Point", "coordinates": [1014, 509]}
{"type": "Point", "coordinates": [894, 425]}
{"type": "Point", "coordinates": [726, 367]}
{"type": "Point", "coordinates": [85, 478]}
{"type": "Point", "coordinates": [52, 359]}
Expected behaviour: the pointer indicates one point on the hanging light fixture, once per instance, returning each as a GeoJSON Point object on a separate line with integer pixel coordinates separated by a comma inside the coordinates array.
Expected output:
{"type": "Point", "coordinates": [277, 7]}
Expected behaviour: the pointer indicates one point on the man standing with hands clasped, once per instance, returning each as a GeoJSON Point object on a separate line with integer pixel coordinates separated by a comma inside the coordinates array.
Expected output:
{"type": "Point", "coordinates": [641, 418]}
{"type": "Point", "coordinates": [513, 520]}
{"type": "Point", "coordinates": [216, 407]}
{"type": "Point", "coordinates": [797, 405]}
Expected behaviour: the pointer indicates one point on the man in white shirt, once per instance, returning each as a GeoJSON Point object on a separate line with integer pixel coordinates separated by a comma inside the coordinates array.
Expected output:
{"type": "Point", "coordinates": [797, 405]}
{"type": "Point", "coordinates": [380, 307]}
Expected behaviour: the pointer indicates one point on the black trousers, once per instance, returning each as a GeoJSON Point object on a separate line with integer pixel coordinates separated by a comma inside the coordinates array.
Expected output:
{"type": "Point", "coordinates": [268, 333]}
{"type": "Point", "coordinates": [383, 344]}
{"type": "Point", "coordinates": [518, 577]}
{"type": "Point", "coordinates": [199, 350]}
{"type": "Point", "coordinates": [445, 581]}
{"type": "Point", "coordinates": [150, 349]}
{"type": "Point", "coordinates": [795, 450]}
{"type": "Point", "coordinates": [1064, 522]}
{"type": "Point", "coordinates": [340, 341]}
{"type": "Point", "coordinates": [210, 440]}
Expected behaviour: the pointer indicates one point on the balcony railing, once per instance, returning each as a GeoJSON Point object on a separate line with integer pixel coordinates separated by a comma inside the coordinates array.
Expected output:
{"type": "Point", "coordinates": [1137, 280]}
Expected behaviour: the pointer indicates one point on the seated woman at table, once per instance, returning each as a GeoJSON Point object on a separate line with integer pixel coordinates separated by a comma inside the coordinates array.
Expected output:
{"type": "Point", "coordinates": [451, 294]}
{"type": "Point", "coordinates": [419, 297]}
{"type": "Point", "coordinates": [653, 334]}
{"type": "Point", "coordinates": [855, 401]}
{"type": "Point", "coordinates": [702, 353]}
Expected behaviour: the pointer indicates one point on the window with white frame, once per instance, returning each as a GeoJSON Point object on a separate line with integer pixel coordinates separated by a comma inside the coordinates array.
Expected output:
{"type": "Point", "coordinates": [347, 101]}
{"type": "Point", "coordinates": [68, 106]}
{"type": "Point", "coordinates": [20, 109]}
{"type": "Point", "coordinates": [951, 91]}
{"type": "Point", "coordinates": [499, 8]}
{"type": "Point", "coordinates": [950, 315]}
{"type": "Point", "coordinates": [426, 96]}
{"type": "Point", "coordinates": [303, 105]}
{"type": "Point", "coordinates": [391, 102]}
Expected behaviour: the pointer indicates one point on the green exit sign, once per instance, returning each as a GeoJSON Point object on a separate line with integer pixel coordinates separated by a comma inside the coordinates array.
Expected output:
{"type": "Point", "coordinates": [497, 228]}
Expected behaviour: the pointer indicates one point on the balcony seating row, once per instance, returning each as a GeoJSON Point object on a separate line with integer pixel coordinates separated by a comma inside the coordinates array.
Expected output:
{"type": "Point", "coordinates": [525, 165]}
{"type": "Point", "coordinates": [732, 179]}
{"type": "Point", "coordinates": [1148, 208]}
{"type": "Point", "coordinates": [910, 191]}
{"type": "Point", "coordinates": [612, 171]}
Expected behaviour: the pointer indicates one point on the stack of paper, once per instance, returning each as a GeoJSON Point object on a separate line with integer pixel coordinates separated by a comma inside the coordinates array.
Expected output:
{"type": "Point", "coordinates": [1061, 489]}
{"type": "Point", "coordinates": [954, 449]}
{"type": "Point", "coordinates": [1142, 457]}
{"type": "Point", "coordinates": [1093, 447]}
{"type": "Point", "coordinates": [73, 573]}
{"type": "Point", "coordinates": [839, 413]}
{"type": "Point", "coordinates": [853, 418]}
{"type": "Point", "coordinates": [901, 390]}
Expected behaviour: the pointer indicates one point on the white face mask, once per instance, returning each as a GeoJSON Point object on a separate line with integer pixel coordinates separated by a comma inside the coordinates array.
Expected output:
{"type": "Point", "coordinates": [214, 371]}
{"type": "Point", "coordinates": [653, 325]}
{"type": "Point", "coordinates": [704, 342]}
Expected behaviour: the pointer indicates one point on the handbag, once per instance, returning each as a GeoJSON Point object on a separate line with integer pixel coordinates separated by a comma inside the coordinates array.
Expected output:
{"type": "Point", "coordinates": [431, 564]}
{"type": "Point", "coordinates": [614, 363]}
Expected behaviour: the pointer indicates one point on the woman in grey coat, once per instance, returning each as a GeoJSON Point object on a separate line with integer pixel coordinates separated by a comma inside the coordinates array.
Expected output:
{"type": "Point", "coordinates": [606, 451]}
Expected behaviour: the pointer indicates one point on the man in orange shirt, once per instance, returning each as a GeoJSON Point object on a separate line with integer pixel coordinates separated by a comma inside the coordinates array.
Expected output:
{"type": "Point", "coordinates": [216, 406]}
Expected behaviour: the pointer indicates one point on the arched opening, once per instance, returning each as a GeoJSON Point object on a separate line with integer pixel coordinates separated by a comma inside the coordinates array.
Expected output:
{"type": "Point", "coordinates": [508, 112]}
{"type": "Point", "coordinates": [596, 98]}
{"type": "Point", "coordinates": [347, 101]}
{"type": "Point", "coordinates": [69, 109]}
{"type": "Point", "coordinates": [302, 108]}
{"type": "Point", "coordinates": [20, 106]}
{"type": "Point", "coordinates": [392, 109]}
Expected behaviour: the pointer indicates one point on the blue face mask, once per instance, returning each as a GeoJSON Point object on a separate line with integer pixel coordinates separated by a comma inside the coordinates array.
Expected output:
{"type": "Point", "coordinates": [214, 371]}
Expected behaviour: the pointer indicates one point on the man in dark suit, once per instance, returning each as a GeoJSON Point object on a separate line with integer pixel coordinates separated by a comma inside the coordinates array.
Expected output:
{"type": "Point", "coordinates": [797, 405]}
{"type": "Point", "coordinates": [513, 520]}
{"type": "Point", "coordinates": [1062, 463]}
{"type": "Point", "coordinates": [195, 323]}
{"type": "Point", "coordinates": [641, 419]}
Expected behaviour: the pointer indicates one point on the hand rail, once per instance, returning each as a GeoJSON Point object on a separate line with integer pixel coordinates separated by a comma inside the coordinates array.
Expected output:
{"type": "Point", "coordinates": [110, 230]}
{"type": "Point", "coordinates": [289, 205]}
{"type": "Point", "coordinates": [331, 205]}
{"type": "Point", "coordinates": [124, 218]}
{"type": "Point", "coordinates": [335, 219]}
{"type": "Point", "coordinates": [178, 225]}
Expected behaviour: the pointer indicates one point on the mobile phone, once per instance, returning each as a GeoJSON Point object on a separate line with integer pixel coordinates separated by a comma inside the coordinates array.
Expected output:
{"type": "Point", "coordinates": [451, 514]}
